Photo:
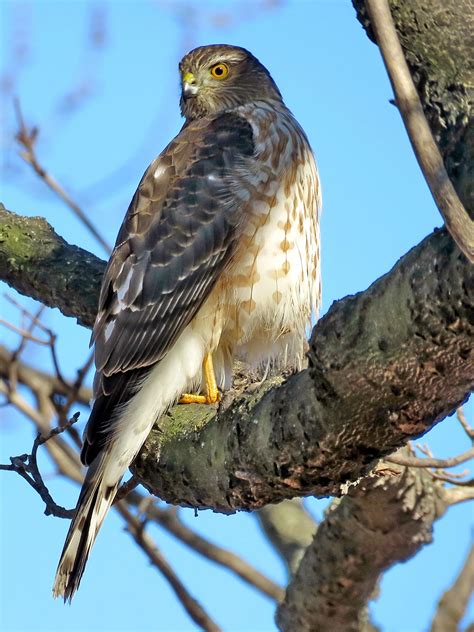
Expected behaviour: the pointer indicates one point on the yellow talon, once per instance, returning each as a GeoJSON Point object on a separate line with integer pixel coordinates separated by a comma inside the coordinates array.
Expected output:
{"type": "Point", "coordinates": [213, 394]}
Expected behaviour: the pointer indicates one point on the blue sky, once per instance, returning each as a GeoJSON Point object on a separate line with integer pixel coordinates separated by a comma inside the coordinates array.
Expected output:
{"type": "Point", "coordinates": [376, 207]}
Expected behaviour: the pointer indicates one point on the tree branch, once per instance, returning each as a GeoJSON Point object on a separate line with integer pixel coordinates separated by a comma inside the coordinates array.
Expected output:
{"type": "Point", "coordinates": [375, 361]}
{"type": "Point", "coordinates": [169, 520]}
{"type": "Point", "coordinates": [26, 466]}
{"type": "Point", "coordinates": [458, 222]}
{"type": "Point", "coordinates": [381, 521]}
{"type": "Point", "coordinates": [413, 461]}
{"type": "Point", "coordinates": [37, 262]}
{"type": "Point", "coordinates": [436, 41]}
{"type": "Point", "coordinates": [289, 528]}
{"type": "Point", "coordinates": [453, 603]}
{"type": "Point", "coordinates": [37, 379]}
{"type": "Point", "coordinates": [27, 139]}
{"type": "Point", "coordinates": [145, 542]}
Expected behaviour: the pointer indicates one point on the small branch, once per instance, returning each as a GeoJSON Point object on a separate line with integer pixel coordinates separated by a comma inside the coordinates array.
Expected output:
{"type": "Point", "coordinates": [463, 421]}
{"type": "Point", "coordinates": [453, 603]}
{"type": "Point", "coordinates": [192, 607]}
{"type": "Point", "coordinates": [169, 520]}
{"type": "Point", "coordinates": [458, 222]}
{"type": "Point", "coordinates": [27, 334]}
{"type": "Point", "coordinates": [24, 333]}
{"type": "Point", "coordinates": [409, 461]}
{"type": "Point", "coordinates": [125, 489]}
{"type": "Point", "coordinates": [26, 466]}
{"type": "Point", "coordinates": [27, 138]}
{"type": "Point", "coordinates": [35, 378]}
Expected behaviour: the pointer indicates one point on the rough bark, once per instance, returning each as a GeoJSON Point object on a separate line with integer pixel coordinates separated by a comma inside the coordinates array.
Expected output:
{"type": "Point", "coordinates": [37, 262]}
{"type": "Point", "coordinates": [437, 40]}
{"type": "Point", "coordinates": [384, 519]}
{"type": "Point", "coordinates": [385, 365]}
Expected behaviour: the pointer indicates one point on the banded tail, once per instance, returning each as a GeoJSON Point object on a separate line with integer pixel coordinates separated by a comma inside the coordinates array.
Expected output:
{"type": "Point", "coordinates": [94, 502]}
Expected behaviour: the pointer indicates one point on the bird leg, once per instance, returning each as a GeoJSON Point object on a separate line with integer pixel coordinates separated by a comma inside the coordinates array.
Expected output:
{"type": "Point", "coordinates": [213, 394]}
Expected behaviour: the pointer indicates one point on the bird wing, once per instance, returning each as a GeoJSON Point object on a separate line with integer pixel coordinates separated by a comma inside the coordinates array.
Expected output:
{"type": "Point", "coordinates": [180, 231]}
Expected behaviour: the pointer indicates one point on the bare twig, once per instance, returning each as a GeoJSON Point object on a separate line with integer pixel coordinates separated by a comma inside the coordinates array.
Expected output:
{"type": "Point", "coordinates": [35, 378]}
{"type": "Point", "coordinates": [429, 158]}
{"type": "Point", "coordinates": [192, 607]}
{"type": "Point", "coordinates": [453, 603]}
{"type": "Point", "coordinates": [26, 465]}
{"type": "Point", "coordinates": [431, 462]}
{"type": "Point", "coordinates": [463, 421]}
{"type": "Point", "coordinates": [30, 329]}
{"type": "Point", "coordinates": [125, 489]}
{"type": "Point", "coordinates": [169, 520]}
{"type": "Point", "coordinates": [27, 138]}
{"type": "Point", "coordinates": [27, 335]}
{"type": "Point", "coordinates": [24, 333]}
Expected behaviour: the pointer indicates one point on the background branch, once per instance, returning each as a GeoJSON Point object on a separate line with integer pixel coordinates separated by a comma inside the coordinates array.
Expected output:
{"type": "Point", "coordinates": [453, 603]}
{"type": "Point", "coordinates": [27, 139]}
{"type": "Point", "coordinates": [289, 528]}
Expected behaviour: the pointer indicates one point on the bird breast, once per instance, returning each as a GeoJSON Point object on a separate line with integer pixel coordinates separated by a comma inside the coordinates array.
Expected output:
{"type": "Point", "coordinates": [273, 284]}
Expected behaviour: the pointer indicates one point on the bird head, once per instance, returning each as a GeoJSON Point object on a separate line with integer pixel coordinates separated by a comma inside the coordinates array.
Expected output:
{"type": "Point", "coordinates": [220, 77]}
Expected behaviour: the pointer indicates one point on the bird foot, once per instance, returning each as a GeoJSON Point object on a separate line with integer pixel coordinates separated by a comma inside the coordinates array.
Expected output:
{"type": "Point", "coordinates": [188, 398]}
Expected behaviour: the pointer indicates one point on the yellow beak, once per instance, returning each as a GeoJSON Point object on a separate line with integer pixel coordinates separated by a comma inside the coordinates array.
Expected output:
{"type": "Point", "coordinates": [190, 88]}
{"type": "Point", "coordinates": [189, 78]}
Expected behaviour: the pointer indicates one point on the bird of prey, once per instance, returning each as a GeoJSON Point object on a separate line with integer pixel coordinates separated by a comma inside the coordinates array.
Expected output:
{"type": "Point", "coordinates": [217, 258]}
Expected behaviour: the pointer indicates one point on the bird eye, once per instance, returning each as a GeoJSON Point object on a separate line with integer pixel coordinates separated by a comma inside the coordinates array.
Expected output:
{"type": "Point", "coordinates": [220, 71]}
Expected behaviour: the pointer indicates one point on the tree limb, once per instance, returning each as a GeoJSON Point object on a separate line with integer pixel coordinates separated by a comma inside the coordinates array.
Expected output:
{"type": "Point", "coordinates": [37, 262]}
{"type": "Point", "coordinates": [436, 38]}
{"type": "Point", "coordinates": [375, 361]}
{"type": "Point", "coordinates": [458, 222]}
{"type": "Point", "coordinates": [383, 520]}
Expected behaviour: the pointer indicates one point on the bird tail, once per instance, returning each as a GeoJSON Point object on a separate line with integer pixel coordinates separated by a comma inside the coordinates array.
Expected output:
{"type": "Point", "coordinates": [94, 502]}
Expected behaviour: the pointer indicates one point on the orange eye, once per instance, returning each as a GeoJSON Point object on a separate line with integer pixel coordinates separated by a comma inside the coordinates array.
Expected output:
{"type": "Point", "coordinates": [220, 71]}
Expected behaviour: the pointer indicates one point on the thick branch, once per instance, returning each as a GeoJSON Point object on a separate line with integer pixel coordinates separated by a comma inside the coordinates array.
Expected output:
{"type": "Point", "coordinates": [37, 262]}
{"type": "Point", "coordinates": [375, 361]}
{"type": "Point", "coordinates": [385, 365]}
{"type": "Point", "coordinates": [381, 521]}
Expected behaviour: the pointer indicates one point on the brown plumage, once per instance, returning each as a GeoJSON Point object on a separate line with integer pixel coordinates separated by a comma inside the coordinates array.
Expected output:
{"type": "Point", "coordinates": [218, 256]}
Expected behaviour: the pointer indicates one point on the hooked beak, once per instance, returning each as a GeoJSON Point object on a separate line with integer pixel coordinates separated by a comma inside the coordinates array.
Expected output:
{"type": "Point", "coordinates": [190, 88]}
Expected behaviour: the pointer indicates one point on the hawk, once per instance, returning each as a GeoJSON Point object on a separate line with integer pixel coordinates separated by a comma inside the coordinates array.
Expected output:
{"type": "Point", "coordinates": [217, 258]}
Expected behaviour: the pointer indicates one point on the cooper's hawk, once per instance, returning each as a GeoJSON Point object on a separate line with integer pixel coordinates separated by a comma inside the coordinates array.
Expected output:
{"type": "Point", "coordinates": [217, 258]}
